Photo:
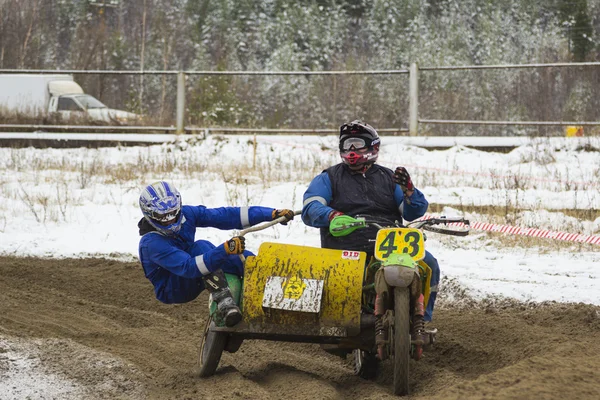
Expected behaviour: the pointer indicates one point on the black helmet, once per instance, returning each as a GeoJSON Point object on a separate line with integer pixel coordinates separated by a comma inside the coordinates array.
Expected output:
{"type": "Point", "coordinates": [359, 144]}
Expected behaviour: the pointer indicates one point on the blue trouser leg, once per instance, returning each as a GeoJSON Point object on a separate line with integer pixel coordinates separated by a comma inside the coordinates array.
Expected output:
{"type": "Point", "coordinates": [234, 264]}
{"type": "Point", "coordinates": [435, 280]}
{"type": "Point", "coordinates": [182, 290]}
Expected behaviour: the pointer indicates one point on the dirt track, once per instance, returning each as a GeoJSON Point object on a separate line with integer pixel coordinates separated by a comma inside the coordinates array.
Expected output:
{"type": "Point", "coordinates": [82, 308]}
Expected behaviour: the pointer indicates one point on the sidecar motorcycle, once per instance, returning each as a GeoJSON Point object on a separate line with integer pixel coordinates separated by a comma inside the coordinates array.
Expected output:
{"type": "Point", "coordinates": [371, 308]}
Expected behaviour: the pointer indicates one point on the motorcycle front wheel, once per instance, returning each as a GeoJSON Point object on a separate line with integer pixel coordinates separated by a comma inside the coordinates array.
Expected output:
{"type": "Point", "coordinates": [401, 340]}
{"type": "Point", "coordinates": [211, 349]}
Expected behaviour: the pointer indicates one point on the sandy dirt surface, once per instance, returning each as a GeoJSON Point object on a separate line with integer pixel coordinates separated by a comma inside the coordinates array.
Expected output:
{"type": "Point", "coordinates": [94, 323]}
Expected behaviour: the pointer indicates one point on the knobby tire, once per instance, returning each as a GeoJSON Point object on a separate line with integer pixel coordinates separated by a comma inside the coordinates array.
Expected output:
{"type": "Point", "coordinates": [211, 350]}
{"type": "Point", "coordinates": [401, 340]}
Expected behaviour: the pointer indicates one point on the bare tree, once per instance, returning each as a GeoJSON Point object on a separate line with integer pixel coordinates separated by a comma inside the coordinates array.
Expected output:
{"type": "Point", "coordinates": [142, 54]}
{"type": "Point", "coordinates": [33, 21]}
{"type": "Point", "coordinates": [2, 33]}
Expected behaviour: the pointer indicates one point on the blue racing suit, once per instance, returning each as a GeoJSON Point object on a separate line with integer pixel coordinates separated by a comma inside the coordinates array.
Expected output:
{"type": "Point", "coordinates": [373, 193]}
{"type": "Point", "coordinates": [175, 264]}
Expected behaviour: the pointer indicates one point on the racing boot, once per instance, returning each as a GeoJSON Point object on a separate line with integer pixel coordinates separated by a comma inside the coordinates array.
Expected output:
{"type": "Point", "coordinates": [216, 284]}
{"type": "Point", "coordinates": [423, 335]}
{"type": "Point", "coordinates": [418, 335]}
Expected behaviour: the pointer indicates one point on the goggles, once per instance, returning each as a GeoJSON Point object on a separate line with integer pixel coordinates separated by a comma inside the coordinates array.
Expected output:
{"type": "Point", "coordinates": [164, 219]}
{"type": "Point", "coordinates": [356, 142]}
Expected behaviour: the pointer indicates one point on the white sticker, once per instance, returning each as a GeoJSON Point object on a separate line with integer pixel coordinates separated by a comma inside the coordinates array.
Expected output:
{"type": "Point", "coordinates": [350, 255]}
{"type": "Point", "coordinates": [293, 294]}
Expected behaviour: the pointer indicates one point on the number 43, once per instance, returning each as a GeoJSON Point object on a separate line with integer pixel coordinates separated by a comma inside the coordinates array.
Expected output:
{"type": "Point", "coordinates": [409, 242]}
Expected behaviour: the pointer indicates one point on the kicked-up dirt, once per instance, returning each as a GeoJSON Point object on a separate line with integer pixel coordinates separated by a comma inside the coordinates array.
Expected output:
{"type": "Point", "coordinates": [96, 323]}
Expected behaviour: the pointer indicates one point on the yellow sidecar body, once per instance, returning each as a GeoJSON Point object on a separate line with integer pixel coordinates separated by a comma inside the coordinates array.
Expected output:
{"type": "Point", "coordinates": [302, 291]}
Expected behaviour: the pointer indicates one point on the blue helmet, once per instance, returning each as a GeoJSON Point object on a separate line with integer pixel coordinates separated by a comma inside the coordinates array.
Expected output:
{"type": "Point", "coordinates": [160, 203]}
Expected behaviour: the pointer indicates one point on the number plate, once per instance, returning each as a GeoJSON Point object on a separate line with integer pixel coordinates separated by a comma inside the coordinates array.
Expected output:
{"type": "Point", "coordinates": [293, 294]}
{"type": "Point", "coordinates": [399, 240]}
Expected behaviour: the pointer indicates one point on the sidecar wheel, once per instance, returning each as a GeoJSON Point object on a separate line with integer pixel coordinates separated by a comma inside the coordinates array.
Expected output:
{"type": "Point", "coordinates": [365, 364]}
{"type": "Point", "coordinates": [211, 349]}
{"type": "Point", "coordinates": [401, 340]}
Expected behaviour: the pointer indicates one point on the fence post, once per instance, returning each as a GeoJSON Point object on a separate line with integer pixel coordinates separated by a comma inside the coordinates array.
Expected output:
{"type": "Point", "coordinates": [180, 118]}
{"type": "Point", "coordinates": [413, 109]}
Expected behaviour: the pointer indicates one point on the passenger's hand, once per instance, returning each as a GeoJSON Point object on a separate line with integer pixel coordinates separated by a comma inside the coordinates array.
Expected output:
{"type": "Point", "coordinates": [402, 178]}
{"type": "Point", "coordinates": [334, 214]}
{"type": "Point", "coordinates": [235, 245]}
{"type": "Point", "coordinates": [288, 214]}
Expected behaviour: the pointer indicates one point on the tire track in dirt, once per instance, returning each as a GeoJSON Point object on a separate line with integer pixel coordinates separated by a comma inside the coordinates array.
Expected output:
{"type": "Point", "coordinates": [502, 350]}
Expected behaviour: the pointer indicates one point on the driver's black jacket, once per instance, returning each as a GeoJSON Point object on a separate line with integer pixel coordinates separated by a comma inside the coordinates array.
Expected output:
{"type": "Point", "coordinates": [373, 193]}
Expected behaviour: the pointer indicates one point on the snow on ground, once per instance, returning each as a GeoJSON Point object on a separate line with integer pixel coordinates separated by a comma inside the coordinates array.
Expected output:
{"type": "Point", "coordinates": [25, 372]}
{"type": "Point", "coordinates": [81, 202]}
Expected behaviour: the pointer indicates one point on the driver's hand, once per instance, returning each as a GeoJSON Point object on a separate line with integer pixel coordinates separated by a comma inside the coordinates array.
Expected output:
{"type": "Point", "coordinates": [235, 245]}
{"type": "Point", "coordinates": [402, 178]}
{"type": "Point", "coordinates": [288, 214]}
{"type": "Point", "coordinates": [334, 214]}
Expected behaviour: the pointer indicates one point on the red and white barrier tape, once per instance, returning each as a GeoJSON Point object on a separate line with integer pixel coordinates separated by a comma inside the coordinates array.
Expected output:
{"type": "Point", "coordinates": [534, 232]}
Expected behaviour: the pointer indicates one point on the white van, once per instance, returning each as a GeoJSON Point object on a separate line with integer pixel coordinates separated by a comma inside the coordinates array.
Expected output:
{"type": "Point", "coordinates": [48, 94]}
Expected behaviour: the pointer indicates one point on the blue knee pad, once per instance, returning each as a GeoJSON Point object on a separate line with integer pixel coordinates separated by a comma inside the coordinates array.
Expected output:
{"type": "Point", "coordinates": [435, 280]}
{"type": "Point", "coordinates": [234, 264]}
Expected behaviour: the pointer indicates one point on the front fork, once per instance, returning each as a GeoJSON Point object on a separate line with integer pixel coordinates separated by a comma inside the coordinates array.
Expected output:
{"type": "Point", "coordinates": [381, 330]}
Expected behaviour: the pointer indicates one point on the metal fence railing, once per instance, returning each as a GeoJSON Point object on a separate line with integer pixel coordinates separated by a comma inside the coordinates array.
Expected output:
{"type": "Point", "coordinates": [414, 106]}
{"type": "Point", "coordinates": [537, 123]}
{"type": "Point", "coordinates": [180, 126]}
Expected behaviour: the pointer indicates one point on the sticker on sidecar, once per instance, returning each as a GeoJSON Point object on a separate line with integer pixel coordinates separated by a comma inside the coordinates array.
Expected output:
{"type": "Point", "coordinates": [350, 255]}
{"type": "Point", "coordinates": [293, 294]}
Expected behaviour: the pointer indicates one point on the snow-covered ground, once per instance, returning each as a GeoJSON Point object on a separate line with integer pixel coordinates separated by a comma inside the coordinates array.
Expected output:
{"type": "Point", "coordinates": [83, 202]}
{"type": "Point", "coordinates": [26, 373]}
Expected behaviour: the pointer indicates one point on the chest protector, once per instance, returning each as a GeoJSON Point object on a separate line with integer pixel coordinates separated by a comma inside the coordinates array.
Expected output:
{"type": "Point", "coordinates": [371, 193]}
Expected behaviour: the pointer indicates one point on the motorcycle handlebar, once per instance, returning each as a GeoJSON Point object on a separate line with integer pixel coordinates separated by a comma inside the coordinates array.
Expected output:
{"type": "Point", "coordinates": [263, 226]}
{"type": "Point", "coordinates": [423, 224]}
{"type": "Point", "coordinates": [349, 224]}
{"type": "Point", "coordinates": [428, 225]}
{"type": "Point", "coordinates": [266, 225]}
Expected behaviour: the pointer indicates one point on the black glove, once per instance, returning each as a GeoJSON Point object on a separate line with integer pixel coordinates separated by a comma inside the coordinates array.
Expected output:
{"type": "Point", "coordinates": [235, 245]}
{"type": "Point", "coordinates": [402, 178]}
{"type": "Point", "coordinates": [288, 214]}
